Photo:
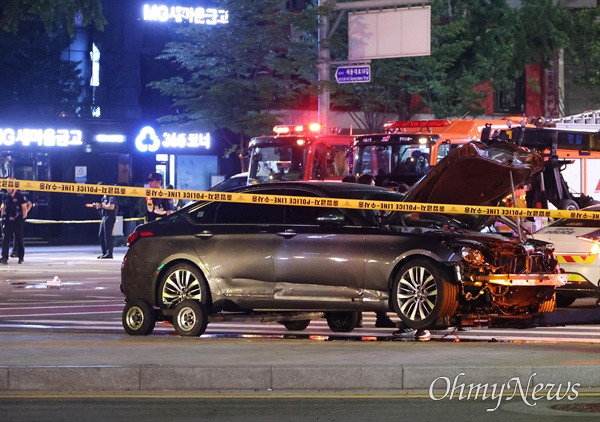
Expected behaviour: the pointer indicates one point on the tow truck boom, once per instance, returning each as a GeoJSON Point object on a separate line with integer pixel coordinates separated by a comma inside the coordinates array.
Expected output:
{"type": "Point", "coordinates": [579, 134]}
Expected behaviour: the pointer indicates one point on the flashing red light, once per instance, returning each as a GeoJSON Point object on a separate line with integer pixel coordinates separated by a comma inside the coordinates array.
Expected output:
{"type": "Point", "coordinates": [297, 129]}
{"type": "Point", "coordinates": [281, 129]}
{"type": "Point", "coordinates": [405, 124]}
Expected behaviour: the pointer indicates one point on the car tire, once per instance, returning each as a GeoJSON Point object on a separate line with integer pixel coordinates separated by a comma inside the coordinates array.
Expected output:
{"type": "Point", "coordinates": [564, 301]}
{"type": "Point", "coordinates": [548, 305]}
{"type": "Point", "coordinates": [190, 319]}
{"type": "Point", "coordinates": [342, 322]}
{"type": "Point", "coordinates": [138, 318]}
{"type": "Point", "coordinates": [568, 204]}
{"type": "Point", "coordinates": [296, 325]}
{"type": "Point", "coordinates": [181, 282]}
{"type": "Point", "coordinates": [422, 294]}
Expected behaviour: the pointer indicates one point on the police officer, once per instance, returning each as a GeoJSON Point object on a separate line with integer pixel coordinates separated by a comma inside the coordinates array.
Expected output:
{"type": "Point", "coordinates": [107, 207]}
{"type": "Point", "coordinates": [157, 207]}
{"type": "Point", "coordinates": [14, 212]}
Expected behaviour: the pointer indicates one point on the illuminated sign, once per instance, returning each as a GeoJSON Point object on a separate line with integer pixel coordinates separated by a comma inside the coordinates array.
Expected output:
{"type": "Point", "coordinates": [115, 139]}
{"type": "Point", "coordinates": [179, 14]}
{"type": "Point", "coordinates": [40, 137]}
{"type": "Point", "coordinates": [148, 141]}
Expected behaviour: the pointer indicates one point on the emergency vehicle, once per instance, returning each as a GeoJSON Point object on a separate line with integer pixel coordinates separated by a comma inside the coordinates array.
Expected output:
{"type": "Point", "coordinates": [571, 173]}
{"type": "Point", "coordinates": [582, 174]}
{"type": "Point", "coordinates": [408, 149]}
{"type": "Point", "coordinates": [298, 152]}
{"type": "Point", "coordinates": [392, 158]}
{"type": "Point", "coordinates": [452, 133]}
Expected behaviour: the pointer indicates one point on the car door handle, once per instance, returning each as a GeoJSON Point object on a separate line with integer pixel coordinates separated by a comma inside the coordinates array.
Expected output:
{"type": "Point", "coordinates": [287, 233]}
{"type": "Point", "coordinates": [204, 234]}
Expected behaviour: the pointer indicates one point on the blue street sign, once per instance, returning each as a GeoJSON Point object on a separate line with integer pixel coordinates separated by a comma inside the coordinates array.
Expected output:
{"type": "Point", "coordinates": [353, 74]}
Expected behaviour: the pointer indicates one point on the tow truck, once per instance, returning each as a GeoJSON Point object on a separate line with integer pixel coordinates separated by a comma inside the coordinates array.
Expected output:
{"type": "Point", "coordinates": [298, 152]}
{"type": "Point", "coordinates": [576, 137]}
{"type": "Point", "coordinates": [407, 149]}
{"type": "Point", "coordinates": [452, 133]}
{"type": "Point", "coordinates": [562, 145]}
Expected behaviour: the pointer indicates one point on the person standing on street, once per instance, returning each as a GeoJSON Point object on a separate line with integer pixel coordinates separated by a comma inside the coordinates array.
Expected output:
{"type": "Point", "coordinates": [15, 253]}
{"type": "Point", "coordinates": [14, 212]}
{"type": "Point", "coordinates": [107, 207]}
{"type": "Point", "coordinates": [157, 207]}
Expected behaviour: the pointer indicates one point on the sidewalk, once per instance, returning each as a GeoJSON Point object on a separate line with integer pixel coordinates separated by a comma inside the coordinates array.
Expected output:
{"type": "Point", "coordinates": [76, 362]}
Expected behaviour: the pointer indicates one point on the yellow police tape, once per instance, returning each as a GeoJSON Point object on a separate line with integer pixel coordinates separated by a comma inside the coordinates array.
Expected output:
{"type": "Point", "coordinates": [250, 198]}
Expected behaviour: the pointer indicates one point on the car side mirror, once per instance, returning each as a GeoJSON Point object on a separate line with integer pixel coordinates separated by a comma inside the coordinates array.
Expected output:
{"type": "Point", "coordinates": [331, 218]}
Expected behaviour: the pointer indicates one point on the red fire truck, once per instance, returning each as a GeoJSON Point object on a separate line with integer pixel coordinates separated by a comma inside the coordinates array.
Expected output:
{"type": "Point", "coordinates": [298, 152]}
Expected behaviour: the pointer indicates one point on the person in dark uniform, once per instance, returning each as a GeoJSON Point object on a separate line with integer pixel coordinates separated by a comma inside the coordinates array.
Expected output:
{"type": "Point", "coordinates": [157, 207]}
{"type": "Point", "coordinates": [108, 210]}
{"type": "Point", "coordinates": [14, 212]}
{"type": "Point", "coordinates": [15, 253]}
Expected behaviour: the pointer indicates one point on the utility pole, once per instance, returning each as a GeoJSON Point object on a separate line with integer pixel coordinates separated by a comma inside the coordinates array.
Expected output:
{"type": "Point", "coordinates": [323, 65]}
{"type": "Point", "coordinates": [324, 36]}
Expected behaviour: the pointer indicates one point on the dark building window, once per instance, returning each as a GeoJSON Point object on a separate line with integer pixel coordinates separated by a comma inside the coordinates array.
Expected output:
{"type": "Point", "coordinates": [510, 98]}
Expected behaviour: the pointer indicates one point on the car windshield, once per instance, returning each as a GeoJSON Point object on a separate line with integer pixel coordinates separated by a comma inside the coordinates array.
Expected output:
{"type": "Point", "coordinates": [392, 159]}
{"type": "Point", "coordinates": [397, 220]}
{"type": "Point", "coordinates": [276, 163]}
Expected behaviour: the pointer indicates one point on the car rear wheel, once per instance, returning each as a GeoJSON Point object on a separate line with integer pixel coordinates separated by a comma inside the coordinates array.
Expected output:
{"type": "Point", "coordinates": [564, 301]}
{"type": "Point", "coordinates": [422, 294]}
{"type": "Point", "coordinates": [190, 318]}
{"type": "Point", "coordinates": [296, 325]}
{"type": "Point", "coordinates": [342, 322]}
{"type": "Point", "coordinates": [182, 282]}
{"type": "Point", "coordinates": [138, 318]}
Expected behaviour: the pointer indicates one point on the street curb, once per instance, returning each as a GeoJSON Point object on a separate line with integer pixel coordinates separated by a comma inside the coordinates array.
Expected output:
{"type": "Point", "coordinates": [284, 378]}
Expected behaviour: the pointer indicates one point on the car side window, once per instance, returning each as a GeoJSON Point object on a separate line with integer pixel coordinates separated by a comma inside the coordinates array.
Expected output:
{"type": "Point", "coordinates": [311, 216]}
{"type": "Point", "coordinates": [234, 213]}
{"type": "Point", "coordinates": [203, 213]}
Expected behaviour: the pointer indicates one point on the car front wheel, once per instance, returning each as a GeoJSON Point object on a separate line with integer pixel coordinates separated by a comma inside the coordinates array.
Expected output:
{"type": "Point", "coordinates": [564, 301]}
{"type": "Point", "coordinates": [422, 294]}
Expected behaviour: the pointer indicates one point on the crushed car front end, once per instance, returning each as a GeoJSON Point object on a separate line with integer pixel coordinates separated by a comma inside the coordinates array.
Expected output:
{"type": "Point", "coordinates": [507, 277]}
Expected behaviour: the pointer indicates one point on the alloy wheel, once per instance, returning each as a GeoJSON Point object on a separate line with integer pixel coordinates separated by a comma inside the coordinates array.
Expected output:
{"type": "Point", "coordinates": [179, 285]}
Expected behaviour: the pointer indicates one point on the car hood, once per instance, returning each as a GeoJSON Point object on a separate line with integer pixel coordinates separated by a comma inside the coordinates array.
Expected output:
{"type": "Point", "coordinates": [476, 174]}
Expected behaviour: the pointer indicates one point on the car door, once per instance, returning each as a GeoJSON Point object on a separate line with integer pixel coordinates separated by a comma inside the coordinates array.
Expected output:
{"type": "Point", "coordinates": [319, 256]}
{"type": "Point", "coordinates": [235, 243]}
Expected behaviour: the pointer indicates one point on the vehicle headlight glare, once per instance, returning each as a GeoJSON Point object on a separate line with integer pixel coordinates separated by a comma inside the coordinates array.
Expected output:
{"type": "Point", "coordinates": [472, 256]}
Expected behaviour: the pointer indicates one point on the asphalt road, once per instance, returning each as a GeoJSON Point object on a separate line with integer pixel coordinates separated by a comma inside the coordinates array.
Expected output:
{"type": "Point", "coordinates": [68, 338]}
{"type": "Point", "coordinates": [342, 407]}
{"type": "Point", "coordinates": [86, 299]}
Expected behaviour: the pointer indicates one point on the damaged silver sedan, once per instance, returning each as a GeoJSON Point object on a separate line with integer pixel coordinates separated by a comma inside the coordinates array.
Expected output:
{"type": "Point", "coordinates": [290, 264]}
